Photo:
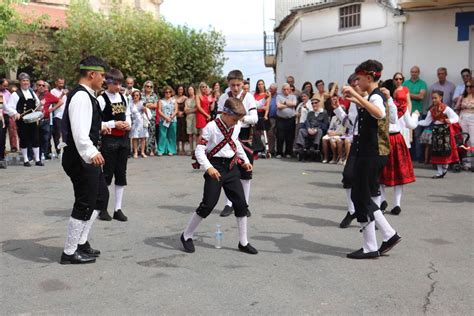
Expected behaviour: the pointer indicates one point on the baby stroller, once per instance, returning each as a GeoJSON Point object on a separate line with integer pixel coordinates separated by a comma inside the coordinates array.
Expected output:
{"type": "Point", "coordinates": [462, 140]}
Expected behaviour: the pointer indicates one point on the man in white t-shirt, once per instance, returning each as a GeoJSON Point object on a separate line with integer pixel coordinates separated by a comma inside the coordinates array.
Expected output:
{"type": "Point", "coordinates": [58, 110]}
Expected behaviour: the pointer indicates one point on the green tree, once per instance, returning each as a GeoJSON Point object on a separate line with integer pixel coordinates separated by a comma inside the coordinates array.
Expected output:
{"type": "Point", "coordinates": [137, 44]}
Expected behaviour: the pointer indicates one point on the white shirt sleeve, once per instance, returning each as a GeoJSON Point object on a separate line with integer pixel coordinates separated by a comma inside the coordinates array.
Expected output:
{"type": "Point", "coordinates": [427, 121]}
{"type": "Point", "coordinates": [393, 112]}
{"type": "Point", "coordinates": [252, 117]}
{"type": "Point", "coordinates": [378, 102]}
{"type": "Point", "coordinates": [411, 121]}
{"type": "Point", "coordinates": [200, 151]}
{"type": "Point", "coordinates": [452, 116]}
{"type": "Point", "coordinates": [80, 118]}
{"type": "Point", "coordinates": [10, 107]}
{"type": "Point", "coordinates": [111, 123]}
{"type": "Point", "coordinates": [340, 113]}
{"type": "Point", "coordinates": [128, 112]}
{"type": "Point", "coordinates": [220, 103]}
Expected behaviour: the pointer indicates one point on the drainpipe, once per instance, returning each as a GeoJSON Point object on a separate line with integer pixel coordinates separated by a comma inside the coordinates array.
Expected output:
{"type": "Point", "coordinates": [400, 20]}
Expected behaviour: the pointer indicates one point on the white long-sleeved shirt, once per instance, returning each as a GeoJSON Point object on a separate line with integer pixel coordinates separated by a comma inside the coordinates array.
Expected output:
{"type": "Point", "coordinates": [213, 136]}
{"type": "Point", "coordinates": [80, 118]}
{"type": "Point", "coordinates": [452, 116]}
{"type": "Point", "coordinates": [10, 107]}
{"type": "Point", "coordinates": [58, 113]}
{"type": "Point", "coordinates": [250, 107]}
{"type": "Point", "coordinates": [116, 98]}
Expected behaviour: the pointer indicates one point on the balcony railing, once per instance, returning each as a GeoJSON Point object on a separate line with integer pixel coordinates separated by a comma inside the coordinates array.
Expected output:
{"type": "Point", "coordinates": [269, 49]}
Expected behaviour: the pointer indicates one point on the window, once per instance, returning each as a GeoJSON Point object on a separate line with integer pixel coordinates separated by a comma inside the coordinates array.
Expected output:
{"type": "Point", "coordinates": [349, 17]}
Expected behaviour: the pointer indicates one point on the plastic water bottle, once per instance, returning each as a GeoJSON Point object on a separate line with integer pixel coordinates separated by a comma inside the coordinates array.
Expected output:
{"type": "Point", "coordinates": [219, 236]}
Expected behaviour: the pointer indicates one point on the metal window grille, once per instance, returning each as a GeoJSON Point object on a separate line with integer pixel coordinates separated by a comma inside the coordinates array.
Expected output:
{"type": "Point", "coordinates": [349, 17]}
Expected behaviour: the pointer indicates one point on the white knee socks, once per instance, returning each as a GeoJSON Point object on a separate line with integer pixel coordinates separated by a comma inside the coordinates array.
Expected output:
{"type": "Point", "coordinates": [350, 205]}
{"type": "Point", "coordinates": [441, 169]}
{"type": "Point", "coordinates": [382, 193]}
{"type": "Point", "coordinates": [24, 153]}
{"type": "Point", "coordinates": [87, 228]}
{"type": "Point", "coordinates": [376, 200]}
{"type": "Point", "coordinates": [370, 239]}
{"type": "Point", "coordinates": [242, 224]}
{"type": "Point", "coordinates": [383, 225]}
{"type": "Point", "coordinates": [118, 196]}
{"type": "Point", "coordinates": [246, 187]}
{"type": "Point", "coordinates": [397, 194]}
{"type": "Point", "coordinates": [192, 225]}
{"type": "Point", "coordinates": [36, 153]}
{"type": "Point", "coordinates": [74, 231]}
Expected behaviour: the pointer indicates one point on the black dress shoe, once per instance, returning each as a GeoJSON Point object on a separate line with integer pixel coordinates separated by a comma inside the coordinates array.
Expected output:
{"type": "Point", "coordinates": [188, 245]}
{"type": "Point", "coordinates": [359, 254]}
{"type": "Point", "coordinates": [76, 258]}
{"type": "Point", "coordinates": [39, 164]}
{"type": "Point", "coordinates": [227, 211]}
{"type": "Point", "coordinates": [118, 215]}
{"type": "Point", "coordinates": [104, 216]}
{"type": "Point", "coordinates": [439, 176]}
{"type": "Point", "coordinates": [383, 205]}
{"type": "Point", "coordinates": [389, 244]}
{"type": "Point", "coordinates": [88, 250]}
{"type": "Point", "coordinates": [248, 249]}
{"type": "Point", "coordinates": [396, 210]}
{"type": "Point", "coordinates": [27, 164]}
{"type": "Point", "coordinates": [347, 220]}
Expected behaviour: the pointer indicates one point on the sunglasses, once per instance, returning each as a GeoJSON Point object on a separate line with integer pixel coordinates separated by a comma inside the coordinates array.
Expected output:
{"type": "Point", "coordinates": [167, 91]}
{"type": "Point", "coordinates": [148, 86]}
{"type": "Point", "coordinates": [468, 86]}
{"type": "Point", "coordinates": [398, 79]}
{"type": "Point", "coordinates": [314, 102]}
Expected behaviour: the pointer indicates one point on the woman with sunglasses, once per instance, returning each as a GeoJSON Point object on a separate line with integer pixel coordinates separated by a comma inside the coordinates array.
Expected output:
{"type": "Point", "coordinates": [465, 106]}
{"type": "Point", "coordinates": [150, 100]}
{"type": "Point", "coordinates": [167, 109]}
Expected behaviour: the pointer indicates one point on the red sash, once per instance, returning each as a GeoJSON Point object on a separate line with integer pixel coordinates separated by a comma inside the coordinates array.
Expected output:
{"type": "Point", "coordinates": [227, 140]}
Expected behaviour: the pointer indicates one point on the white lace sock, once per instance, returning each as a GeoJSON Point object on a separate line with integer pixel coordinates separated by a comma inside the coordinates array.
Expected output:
{"type": "Point", "coordinates": [397, 195]}
{"type": "Point", "coordinates": [242, 224]}
{"type": "Point", "coordinates": [36, 153]}
{"type": "Point", "coordinates": [246, 187]}
{"type": "Point", "coordinates": [377, 200]}
{"type": "Point", "coordinates": [74, 231]}
{"type": "Point", "coordinates": [118, 196]}
{"type": "Point", "coordinates": [24, 153]}
{"type": "Point", "coordinates": [382, 224]}
{"type": "Point", "coordinates": [87, 228]}
{"type": "Point", "coordinates": [370, 239]}
{"type": "Point", "coordinates": [192, 225]}
{"type": "Point", "coordinates": [350, 204]}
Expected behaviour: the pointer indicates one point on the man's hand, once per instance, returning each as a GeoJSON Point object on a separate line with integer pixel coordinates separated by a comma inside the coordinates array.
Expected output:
{"type": "Point", "coordinates": [122, 125]}
{"type": "Point", "coordinates": [17, 116]}
{"type": "Point", "coordinates": [266, 117]}
{"type": "Point", "coordinates": [214, 173]}
{"type": "Point", "coordinates": [98, 160]}
{"type": "Point", "coordinates": [105, 130]}
{"type": "Point", "coordinates": [247, 166]}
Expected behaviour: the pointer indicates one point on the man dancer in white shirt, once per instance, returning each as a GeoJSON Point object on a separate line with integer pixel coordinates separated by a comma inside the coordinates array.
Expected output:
{"type": "Point", "coordinates": [58, 111]}
{"type": "Point", "coordinates": [235, 80]}
{"type": "Point", "coordinates": [115, 146]}
{"type": "Point", "coordinates": [82, 161]}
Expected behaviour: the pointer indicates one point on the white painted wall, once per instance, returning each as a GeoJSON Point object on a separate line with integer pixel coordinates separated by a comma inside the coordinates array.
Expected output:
{"type": "Point", "coordinates": [315, 49]}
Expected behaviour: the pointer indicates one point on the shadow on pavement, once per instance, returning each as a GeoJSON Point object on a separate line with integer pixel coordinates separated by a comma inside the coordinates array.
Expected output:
{"type": "Point", "coordinates": [455, 198]}
{"type": "Point", "coordinates": [312, 221]}
{"type": "Point", "coordinates": [333, 185]}
{"type": "Point", "coordinates": [315, 206]}
{"type": "Point", "coordinates": [32, 250]}
{"type": "Point", "coordinates": [179, 208]}
{"type": "Point", "coordinates": [58, 212]}
{"type": "Point", "coordinates": [290, 242]}
{"type": "Point", "coordinates": [173, 242]}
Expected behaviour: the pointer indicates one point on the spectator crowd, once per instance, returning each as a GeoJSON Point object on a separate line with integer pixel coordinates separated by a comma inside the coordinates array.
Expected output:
{"type": "Point", "coordinates": [292, 122]}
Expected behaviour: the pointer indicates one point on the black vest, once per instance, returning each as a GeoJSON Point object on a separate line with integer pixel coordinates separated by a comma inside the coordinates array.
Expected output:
{"type": "Point", "coordinates": [96, 125]}
{"type": "Point", "coordinates": [23, 104]}
{"type": "Point", "coordinates": [114, 111]}
{"type": "Point", "coordinates": [373, 137]}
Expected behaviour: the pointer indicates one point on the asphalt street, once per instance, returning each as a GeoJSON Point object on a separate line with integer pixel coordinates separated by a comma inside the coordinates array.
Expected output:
{"type": "Point", "coordinates": [301, 267]}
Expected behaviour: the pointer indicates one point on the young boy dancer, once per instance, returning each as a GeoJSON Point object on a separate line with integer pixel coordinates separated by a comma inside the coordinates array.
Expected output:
{"type": "Point", "coordinates": [371, 147]}
{"type": "Point", "coordinates": [82, 161]}
{"type": "Point", "coordinates": [235, 80]}
{"type": "Point", "coordinates": [219, 151]}
{"type": "Point", "coordinates": [116, 145]}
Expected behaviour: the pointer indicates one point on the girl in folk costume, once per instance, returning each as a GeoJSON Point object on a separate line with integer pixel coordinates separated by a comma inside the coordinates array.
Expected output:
{"type": "Point", "coordinates": [399, 169]}
{"type": "Point", "coordinates": [443, 148]}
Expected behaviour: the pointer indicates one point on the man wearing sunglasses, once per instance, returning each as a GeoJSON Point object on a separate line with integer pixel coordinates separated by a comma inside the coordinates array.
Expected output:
{"type": "Point", "coordinates": [466, 76]}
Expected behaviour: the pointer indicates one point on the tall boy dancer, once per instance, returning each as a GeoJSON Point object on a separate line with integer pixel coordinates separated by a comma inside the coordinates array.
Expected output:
{"type": "Point", "coordinates": [371, 149]}
{"type": "Point", "coordinates": [82, 161]}
{"type": "Point", "coordinates": [219, 152]}
{"type": "Point", "coordinates": [235, 80]}
{"type": "Point", "coordinates": [116, 145]}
